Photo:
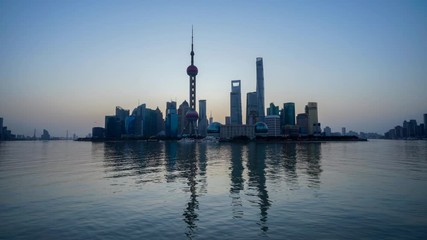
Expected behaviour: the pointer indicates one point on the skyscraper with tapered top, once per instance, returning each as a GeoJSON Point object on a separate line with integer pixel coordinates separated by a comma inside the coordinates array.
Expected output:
{"type": "Point", "coordinates": [260, 88]}
{"type": "Point", "coordinates": [191, 114]}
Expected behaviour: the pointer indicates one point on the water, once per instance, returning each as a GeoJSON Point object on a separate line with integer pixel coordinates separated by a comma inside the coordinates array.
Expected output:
{"type": "Point", "coordinates": [171, 190]}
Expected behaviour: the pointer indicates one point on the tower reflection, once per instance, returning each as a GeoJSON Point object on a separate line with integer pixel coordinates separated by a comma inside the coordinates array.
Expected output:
{"type": "Point", "coordinates": [257, 181]}
{"type": "Point", "coordinates": [237, 179]}
{"type": "Point", "coordinates": [191, 164]}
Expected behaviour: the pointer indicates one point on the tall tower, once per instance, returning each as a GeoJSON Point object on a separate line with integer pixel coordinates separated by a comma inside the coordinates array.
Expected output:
{"type": "Point", "coordinates": [260, 88]}
{"type": "Point", "coordinates": [235, 103]}
{"type": "Point", "coordinates": [192, 71]}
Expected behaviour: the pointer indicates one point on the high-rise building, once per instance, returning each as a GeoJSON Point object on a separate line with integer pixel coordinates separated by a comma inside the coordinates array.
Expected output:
{"type": "Point", "coordinates": [260, 88]}
{"type": "Point", "coordinates": [236, 103]}
{"type": "Point", "coordinates": [302, 122]}
{"type": "Point", "coordinates": [122, 113]}
{"type": "Point", "coordinates": [251, 108]}
{"type": "Point", "coordinates": [343, 131]}
{"type": "Point", "coordinates": [45, 135]}
{"type": "Point", "coordinates": [412, 128]}
{"type": "Point", "coordinates": [273, 110]}
{"type": "Point", "coordinates": [171, 121]}
{"type": "Point", "coordinates": [311, 111]}
{"type": "Point", "coordinates": [328, 131]}
{"type": "Point", "coordinates": [192, 71]}
{"type": "Point", "coordinates": [273, 124]}
{"type": "Point", "coordinates": [182, 121]}
{"type": "Point", "coordinates": [1, 129]}
{"type": "Point", "coordinates": [113, 129]}
{"type": "Point", "coordinates": [203, 121]}
{"type": "Point", "coordinates": [425, 124]}
{"type": "Point", "coordinates": [289, 113]}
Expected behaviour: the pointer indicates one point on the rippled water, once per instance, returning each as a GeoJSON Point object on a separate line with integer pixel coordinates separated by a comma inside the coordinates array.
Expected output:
{"type": "Point", "coordinates": [171, 190]}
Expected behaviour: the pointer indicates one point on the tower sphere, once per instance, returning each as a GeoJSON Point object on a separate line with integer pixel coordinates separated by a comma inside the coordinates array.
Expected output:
{"type": "Point", "coordinates": [192, 115]}
{"type": "Point", "coordinates": [192, 70]}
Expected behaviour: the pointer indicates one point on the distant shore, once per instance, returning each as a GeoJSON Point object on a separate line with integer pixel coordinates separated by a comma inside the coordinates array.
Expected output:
{"type": "Point", "coordinates": [238, 139]}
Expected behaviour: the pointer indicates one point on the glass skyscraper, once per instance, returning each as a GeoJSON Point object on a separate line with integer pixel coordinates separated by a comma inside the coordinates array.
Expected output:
{"type": "Point", "coordinates": [260, 88]}
{"type": "Point", "coordinates": [251, 108]}
{"type": "Point", "coordinates": [289, 113]}
{"type": "Point", "coordinates": [236, 103]}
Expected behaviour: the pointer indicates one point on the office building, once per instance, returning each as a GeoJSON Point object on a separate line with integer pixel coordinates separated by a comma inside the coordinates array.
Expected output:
{"type": "Point", "coordinates": [327, 131]}
{"type": "Point", "coordinates": [251, 108]}
{"type": "Point", "coordinates": [260, 88]}
{"type": "Point", "coordinates": [121, 113]}
{"type": "Point", "coordinates": [1, 129]}
{"type": "Point", "coordinates": [182, 121]}
{"type": "Point", "coordinates": [425, 124]}
{"type": "Point", "coordinates": [311, 111]}
{"type": "Point", "coordinates": [203, 121]}
{"type": "Point", "coordinates": [343, 131]}
{"type": "Point", "coordinates": [236, 103]}
{"type": "Point", "coordinates": [98, 133]}
{"type": "Point", "coordinates": [302, 123]}
{"type": "Point", "coordinates": [289, 113]}
{"type": "Point", "coordinates": [273, 124]}
{"type": "Point", "coordinates": [45, 135]}
{"type": "Point", "coordinates": [171, 121]}
{"type": "Point", "coordinates": [273, 110]}
{"type": "Point", "coordinates": [112, 127]}
{"type": "Point", "coordinates": [230, 132]}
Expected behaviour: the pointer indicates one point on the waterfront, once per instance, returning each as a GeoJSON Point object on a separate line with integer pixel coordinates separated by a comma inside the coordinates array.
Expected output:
{"type": "Point", "coordinates": [170, 190]}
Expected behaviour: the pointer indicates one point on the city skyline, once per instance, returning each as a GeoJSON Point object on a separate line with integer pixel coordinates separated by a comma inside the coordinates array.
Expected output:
{"type": "Point", "coordinates": [62, 70]}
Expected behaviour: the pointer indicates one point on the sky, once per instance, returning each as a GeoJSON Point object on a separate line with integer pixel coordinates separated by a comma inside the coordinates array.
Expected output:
{"type": "Point", "coordinates": [64, 65]}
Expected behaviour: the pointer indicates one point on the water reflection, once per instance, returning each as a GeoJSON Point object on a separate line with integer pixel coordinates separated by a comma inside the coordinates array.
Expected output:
{"type": "Point", "coordinates": [310, 154]}
{"type": "Point", "coordinates": [237, 180]}
{"type": "Point", "coordinates": [289, 151]}
{"type": "Point", "coordinates": [256, 173]}
{"type": "Point", "coordinates": [260, 167]}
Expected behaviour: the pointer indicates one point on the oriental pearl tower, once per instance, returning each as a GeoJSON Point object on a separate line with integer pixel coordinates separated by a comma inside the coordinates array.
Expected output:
{"type": "Point", "coordinates": [191, 114]}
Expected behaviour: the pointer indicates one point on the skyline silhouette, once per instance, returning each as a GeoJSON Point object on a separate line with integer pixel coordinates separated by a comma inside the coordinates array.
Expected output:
{"type": "Point", "coordinates": [65, 65]}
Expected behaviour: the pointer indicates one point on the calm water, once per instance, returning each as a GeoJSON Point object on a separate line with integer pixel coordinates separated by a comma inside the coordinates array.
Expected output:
{"type": "Point", "coordinates": [170, 190]}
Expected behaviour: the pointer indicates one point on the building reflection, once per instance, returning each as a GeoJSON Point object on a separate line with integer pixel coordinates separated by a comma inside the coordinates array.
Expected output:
{"type": "Point", "coordinates": [191, 164]}
{"type": "Point", "coordinates": [237, 180]}
{"type": "Point", "coordinates": [289, 151]}
{"type": "Point", "coordinates": [135, 159]}
{"type": "Point", "coordinates": [310, 155]}
{"type": "Point", "coordinates": [257, 180]}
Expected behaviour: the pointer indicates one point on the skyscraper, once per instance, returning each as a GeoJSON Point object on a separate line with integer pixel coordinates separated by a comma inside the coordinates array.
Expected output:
{"type": "Point", "coordinates": [236, 103]}
{"type": "Point", "coordinates": [251, 108]}
{"type": "Point", "coordinates": [273, 110]}
{"type": "Point", "coordinates": [203, 121]}
{"type": "Point", "coordinates": [182, 121]}
{"type": "Point", "coordinates": [425, 124]}
{"type": "Point", "coordinates": [260, 88]}
{"type": "Point", "coordinates": [192, 71]}
{"type": "Point", "coordinates": [302, 122]}
{"type": "Point", "coordinates": [171, 121]}
{"type": "Point", "coordinates": [311, 111]}
{"type": "Point", "coordinates": [289, 113]}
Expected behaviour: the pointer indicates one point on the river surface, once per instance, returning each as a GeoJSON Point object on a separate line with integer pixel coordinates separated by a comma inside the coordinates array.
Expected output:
{"type": "Point", "coordinates": [171, 190]}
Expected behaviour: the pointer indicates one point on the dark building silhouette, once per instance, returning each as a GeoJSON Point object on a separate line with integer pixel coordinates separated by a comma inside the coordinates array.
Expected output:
{"type": "Point", "coordinates": [171, 120]}
{"type": "Point", "coordinates": [260, 88]}
{"type": "Point", "coordinates": [98, 133]}
{"type": "Point", "coordinates": [251, 108]}
{"type": "Point", "coordinates": [45, 135]}
{"type": "Point", "coordinates": [236, 103]}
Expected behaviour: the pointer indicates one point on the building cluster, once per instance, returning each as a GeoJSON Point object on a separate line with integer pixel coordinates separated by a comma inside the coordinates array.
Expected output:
{"type": "Point", "coordinates": [276, 123]}
{"type": "Point", "coordinates": [5, 134]}
{"type": "Point", "coordinates": [409, 130]}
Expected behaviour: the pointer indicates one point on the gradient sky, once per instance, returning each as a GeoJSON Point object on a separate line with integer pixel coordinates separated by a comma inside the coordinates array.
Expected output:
{"type": "Point", "coordinates": [64, 65]}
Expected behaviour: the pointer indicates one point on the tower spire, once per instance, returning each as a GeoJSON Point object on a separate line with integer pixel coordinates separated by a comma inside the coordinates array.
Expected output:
{"type": "Point", "coordinates": [192, 51]}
